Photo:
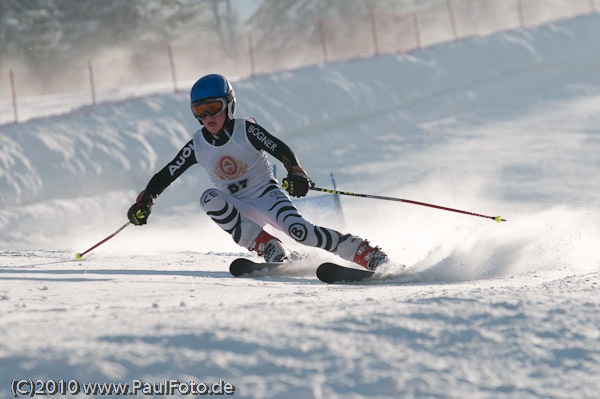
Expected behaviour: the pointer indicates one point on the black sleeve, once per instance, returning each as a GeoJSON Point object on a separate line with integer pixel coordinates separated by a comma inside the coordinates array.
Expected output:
{"type": "Point", "coordinates": [167, 175]}
{"type": "Point", "coordinates": [263, 140]}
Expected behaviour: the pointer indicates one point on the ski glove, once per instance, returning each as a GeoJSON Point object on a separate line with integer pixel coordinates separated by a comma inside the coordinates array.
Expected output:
{"type": "Point", "coordinates": [297, 182]}
{"type": "Point", "coordinates": [138, 213]}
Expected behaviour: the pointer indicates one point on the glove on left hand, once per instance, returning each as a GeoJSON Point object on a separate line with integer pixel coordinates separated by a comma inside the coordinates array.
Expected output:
{"type": "Point", "coordinates": [297, 183]}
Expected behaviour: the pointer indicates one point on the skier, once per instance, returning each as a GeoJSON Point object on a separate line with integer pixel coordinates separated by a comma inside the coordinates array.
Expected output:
{"type": "Point", "coordinates": [247, 195]}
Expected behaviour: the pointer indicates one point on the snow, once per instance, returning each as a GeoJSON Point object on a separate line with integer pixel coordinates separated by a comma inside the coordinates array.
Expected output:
{"type": "Point", "coordinates": [499, 125]}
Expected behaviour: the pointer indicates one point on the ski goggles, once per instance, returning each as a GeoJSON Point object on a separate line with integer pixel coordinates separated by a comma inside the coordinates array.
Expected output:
{"type": "Point", "coordinates": [208, 107]}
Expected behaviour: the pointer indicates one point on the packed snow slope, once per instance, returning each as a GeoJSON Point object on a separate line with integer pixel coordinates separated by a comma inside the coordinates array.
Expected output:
{"type": "Point", "coordinates": [500, 125]}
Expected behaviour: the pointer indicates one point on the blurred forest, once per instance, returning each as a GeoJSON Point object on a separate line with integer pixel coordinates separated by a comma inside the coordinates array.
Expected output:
{"type": "Point", "coordinates": [55, 46]}
{"type": "Point", "coordinates": [41, 32]}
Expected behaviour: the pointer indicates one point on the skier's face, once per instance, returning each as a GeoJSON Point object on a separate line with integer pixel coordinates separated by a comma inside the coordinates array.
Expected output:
{"type": "Point", "coordinates": [214, 124]}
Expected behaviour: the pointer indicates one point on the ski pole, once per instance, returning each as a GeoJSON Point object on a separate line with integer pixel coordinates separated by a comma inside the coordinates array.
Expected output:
{"type": "Point", "coordinates": [325, 190]}
{"type": "Point", "coordinates": [78, 255]}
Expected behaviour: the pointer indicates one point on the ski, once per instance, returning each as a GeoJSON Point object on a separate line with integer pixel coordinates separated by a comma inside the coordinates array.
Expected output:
{"type": "Point", "coordinates": [242, 266]}
{"type": "Point", "coordinates": [332, 273]}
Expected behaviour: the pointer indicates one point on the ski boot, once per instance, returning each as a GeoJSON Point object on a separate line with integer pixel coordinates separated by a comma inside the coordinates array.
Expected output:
{"type": "Point", "coordinates": [369, 257]}
{"type": "Point", "coordinates": [269, 247]}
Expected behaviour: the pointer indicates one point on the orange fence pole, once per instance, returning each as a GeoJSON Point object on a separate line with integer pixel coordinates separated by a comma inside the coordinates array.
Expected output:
{"type": "Point", "coordinates": [172, 64]}
{"type": "Point", "coordinates": [323, 39]}
{"type": "Point", "coordinates": [92, 83]}
{"type": "Point", "coordinates": [374, 31]}
{"type": "Point", "coordinates": [251, 54]}
{"type": "Point", "coordinates": [14, 94]}
{"type": "Point", "coordinates": [452, 18]}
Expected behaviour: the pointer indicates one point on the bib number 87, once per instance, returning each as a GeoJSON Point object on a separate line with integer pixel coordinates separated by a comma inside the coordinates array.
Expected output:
{"type": "Point", "coordinates": [235, 187]}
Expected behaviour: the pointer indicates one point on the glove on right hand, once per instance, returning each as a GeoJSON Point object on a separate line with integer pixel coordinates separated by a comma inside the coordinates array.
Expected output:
{"type": "Point", "coordinates": [138, 213]}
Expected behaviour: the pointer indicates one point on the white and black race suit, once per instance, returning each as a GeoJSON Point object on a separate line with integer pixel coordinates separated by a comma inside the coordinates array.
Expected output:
{"type": "Point", "coordinates": [247, 196]}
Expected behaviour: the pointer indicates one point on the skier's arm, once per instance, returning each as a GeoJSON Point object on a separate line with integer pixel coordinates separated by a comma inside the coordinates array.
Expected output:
{"type": "Point", "coordinates": [167, 175]}
{"type": "Point", "coordinates": [139, 212]}
{"type": "Point", "coordinates": [263, 140]}
{"type": "Point", "coordinates": [297, 180]}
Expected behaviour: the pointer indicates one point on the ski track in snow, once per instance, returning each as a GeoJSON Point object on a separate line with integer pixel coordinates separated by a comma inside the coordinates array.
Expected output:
{"type": "Point", "coordinates": [181, 315]}
{"type": "Point", "coordinates": [482, 310]}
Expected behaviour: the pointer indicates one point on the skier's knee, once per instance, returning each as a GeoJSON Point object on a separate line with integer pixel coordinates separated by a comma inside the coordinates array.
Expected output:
{"type": "Point", "coordinates": [216, 205]}
{"type": "Point", "coordinates": [212, 200]}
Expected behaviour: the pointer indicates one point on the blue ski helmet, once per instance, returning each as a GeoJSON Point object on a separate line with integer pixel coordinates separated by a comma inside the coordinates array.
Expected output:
{"type": "Point", "coordinates": [213, 87]}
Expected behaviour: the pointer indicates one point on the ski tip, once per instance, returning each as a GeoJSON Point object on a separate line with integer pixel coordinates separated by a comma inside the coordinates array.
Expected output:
{"type": "Point", "coordinates": [323, 275]}
{"type": "Point", "coordinates": [499, 219]}
{"type": "Point", "coordinates": [238, 267]}
{"type": "Point", "coordinates": [332, 273]}
{"type": "Point", "coordinates": [78, 256]}
{"type": "Point", "coordinates": [244, 266]}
